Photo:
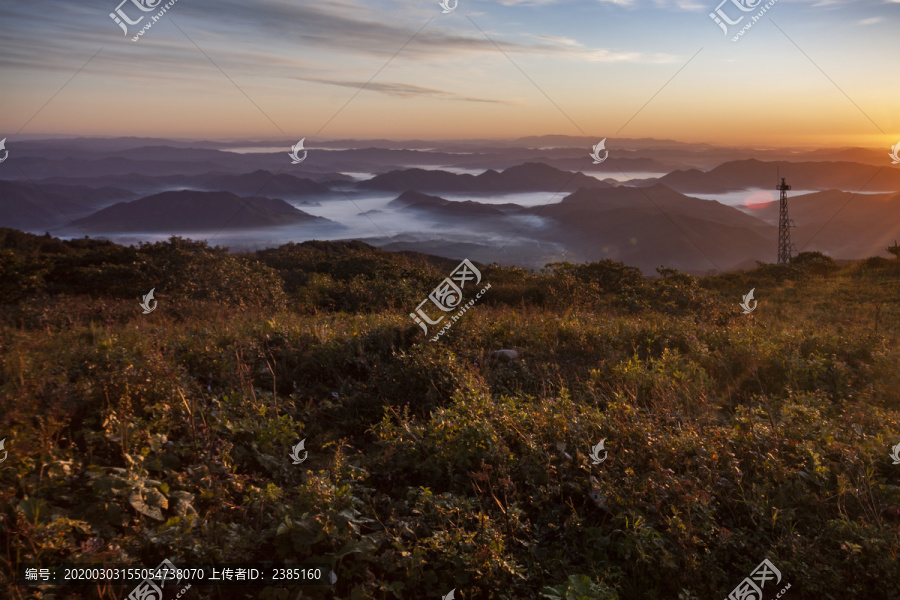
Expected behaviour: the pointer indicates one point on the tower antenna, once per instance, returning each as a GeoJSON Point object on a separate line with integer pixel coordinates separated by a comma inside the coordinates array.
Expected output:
{"type": "Point", "coordinates": [784, 224]}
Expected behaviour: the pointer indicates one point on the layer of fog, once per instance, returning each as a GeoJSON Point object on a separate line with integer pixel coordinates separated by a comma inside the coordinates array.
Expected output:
{"type": "Point", "coordinates": [368, 217]}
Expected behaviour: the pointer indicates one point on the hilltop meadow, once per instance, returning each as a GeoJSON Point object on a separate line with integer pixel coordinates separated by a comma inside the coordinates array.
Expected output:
{"type": "Point", "coordinates": [731, 438]}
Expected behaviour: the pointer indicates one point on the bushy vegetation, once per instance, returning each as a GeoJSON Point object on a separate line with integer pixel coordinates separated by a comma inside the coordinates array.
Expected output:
{"type": "Point", "coordinates": [435, 466]}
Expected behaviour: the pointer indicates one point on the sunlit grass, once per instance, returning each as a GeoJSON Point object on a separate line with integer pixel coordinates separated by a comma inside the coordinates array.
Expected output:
{"type": "Point", "coordinates": [435, 466]}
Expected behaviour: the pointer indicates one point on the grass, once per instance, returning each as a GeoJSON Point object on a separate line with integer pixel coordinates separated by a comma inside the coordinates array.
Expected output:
{"type": "Point", "coordinates": [433, 466]}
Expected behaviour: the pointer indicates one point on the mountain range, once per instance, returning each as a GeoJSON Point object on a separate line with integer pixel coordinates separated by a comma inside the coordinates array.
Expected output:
{"type": "Point", "coordinates": [528, 177]}
{"type": "Point", "coordinates": [451, 208]}
{"type": "Point", "coordinates": [171, 212]}
{"type": "Point", "coordinates": [534, 197]}
{"type": "Point", "coordinates": [752, 173]}
{"type": "Point", "coordinates": [840, 223]}
{"type": "Point", "coordinates": [649, 227]}
{"type": "Point", "coordinates": [32, 206]}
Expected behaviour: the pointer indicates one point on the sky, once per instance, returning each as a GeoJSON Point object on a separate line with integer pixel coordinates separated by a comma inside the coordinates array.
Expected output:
{"type": "Point", "coordinates": [809, 73]}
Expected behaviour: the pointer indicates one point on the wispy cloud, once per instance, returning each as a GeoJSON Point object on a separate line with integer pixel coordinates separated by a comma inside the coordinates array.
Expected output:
{"type": "Point", "coordinates": [576, 50]}
{"type": "Point", "coordinates": [528, 2]}
{"type": "Point", "coordinates": [562, 41]}
{"type": "Point", "coordinates": [402, 90]}
{"type": "Point", "coordinates": [232, 30]}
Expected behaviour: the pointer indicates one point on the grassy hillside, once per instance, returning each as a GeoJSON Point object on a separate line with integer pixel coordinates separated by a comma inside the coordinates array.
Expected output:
{"type": "Point", "coordinates": [731, 438]}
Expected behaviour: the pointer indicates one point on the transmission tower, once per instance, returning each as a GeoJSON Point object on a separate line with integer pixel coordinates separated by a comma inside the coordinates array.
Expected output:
{"type": "Point", "coordinates": [784, 226]}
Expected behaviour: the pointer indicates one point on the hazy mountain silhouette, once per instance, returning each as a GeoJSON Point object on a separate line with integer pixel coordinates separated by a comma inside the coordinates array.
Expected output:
{"type": "Point", "coordinates": [439, 206]}
{"type": "Point", "coordinates": [79, 177]}
{"type": "Point", "coordinates": [167, 152]}
{"type": "Point", "coordinates": [525, 149]}
{"type": "Point", "coordinates": [671, 154]}
{"type": "Point", "coordinates": [208, 181]}
{"type": "Point", "coordinates": [131, 181]}
{"type": "Point", "coordinates": [88, 157]}
{"type": "Point", "coordinates": [649, 227]}
{"type": "Point", "coordinates": [27, 206]}
{"type": "Point", "coordinates": [842, 224]}
{"type": "Point", "coordinates": [529, 177]}
{"type": "Point", "coordinates": [693, 181]}
{"type": "Point", "coordinates": [194, 211]}
{"type": "Point", "coordinates": [264, 182]}
{"type": "Point", "coordinates": [752, 173]}
{"type": "Point", "coordinates": [89, 196]}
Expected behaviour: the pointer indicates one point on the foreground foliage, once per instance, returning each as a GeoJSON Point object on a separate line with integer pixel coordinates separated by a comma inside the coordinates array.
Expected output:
{"type": "Point", "coordinates": [433, 466]}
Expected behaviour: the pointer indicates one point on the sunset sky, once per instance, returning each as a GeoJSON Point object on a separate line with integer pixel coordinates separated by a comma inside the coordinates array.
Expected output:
{"type": "Point", "coordinates": [270, 69]}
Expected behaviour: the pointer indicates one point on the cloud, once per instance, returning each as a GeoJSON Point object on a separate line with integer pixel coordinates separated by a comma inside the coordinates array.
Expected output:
{"type": "Point", "coordinates": [872, 20]}
{"type": "Point", "coordinates": [609, 56]}
{"type": "Point", "coordinates": [266, 38]}
{"type": "Point", "coordinates": [686, 5]}
{"type": "Point", "coordinates": [528, 2]}
{"type": "Point", "coordinates": [575, 49]}
{"type": "Point", "coordinates": [561, 41]}
{"type": "Point", "coordinates": [402, 90]}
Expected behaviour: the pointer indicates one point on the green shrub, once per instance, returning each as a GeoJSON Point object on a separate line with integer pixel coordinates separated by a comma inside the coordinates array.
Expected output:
{"type": "Point", "coordinates": [432, 466]}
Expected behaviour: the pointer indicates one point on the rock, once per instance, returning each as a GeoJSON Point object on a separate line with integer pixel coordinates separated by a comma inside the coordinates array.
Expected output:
{"type": "Point", "coordinates": [505, 355]}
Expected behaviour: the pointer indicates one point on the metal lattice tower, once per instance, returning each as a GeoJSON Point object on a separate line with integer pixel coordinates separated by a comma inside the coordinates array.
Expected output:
{"type": "Point", "coordinates": [784, 226]}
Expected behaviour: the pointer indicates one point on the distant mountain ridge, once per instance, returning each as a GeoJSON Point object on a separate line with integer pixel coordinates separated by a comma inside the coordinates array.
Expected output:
{"type": "Point", "coordinates": [24, 205]}
{"type": "Point", "coordinates": [528, 177]}
{"type": "Point", "coordinates": [264, 182]}
{"type": "Point", "coordinates": [53, 184]}
{"type": "Point", "coordinates": [194, 211]}
{"type": "Point", "coordinates": [839, 223]}
{"type": "Point", "coordinates": [647, 227]}
{"type": "Point", "coordinates": [468, 208]}
{"type": "Point", "coordinates": [752, 173]}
